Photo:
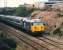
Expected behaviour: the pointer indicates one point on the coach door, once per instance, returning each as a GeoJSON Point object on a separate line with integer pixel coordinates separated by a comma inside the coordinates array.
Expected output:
{"type": "Point", "coordinates": [27, 26]}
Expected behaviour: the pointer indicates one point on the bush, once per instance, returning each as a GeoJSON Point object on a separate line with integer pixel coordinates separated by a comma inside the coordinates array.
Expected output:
{"type": "Point", "coordinates": [60, 14]}
{"type": "Point", "coordinates": [58, 32]}
{"type": "Point", "coordinates": [6, 43]}
{"type": "Point", "coordinates": [10, 42]}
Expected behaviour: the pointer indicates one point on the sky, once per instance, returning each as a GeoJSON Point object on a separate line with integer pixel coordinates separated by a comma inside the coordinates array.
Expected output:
{"type": "Point", "coordinates": [15, 3]}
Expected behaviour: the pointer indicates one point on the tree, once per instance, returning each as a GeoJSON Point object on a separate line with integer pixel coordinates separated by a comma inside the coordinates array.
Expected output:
{"type": "Point", "coordinates": [21, 11]}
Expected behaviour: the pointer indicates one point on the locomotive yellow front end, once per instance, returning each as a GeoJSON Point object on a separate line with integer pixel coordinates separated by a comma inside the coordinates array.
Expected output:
{"type": "Point", "coordinates": [38, 27]}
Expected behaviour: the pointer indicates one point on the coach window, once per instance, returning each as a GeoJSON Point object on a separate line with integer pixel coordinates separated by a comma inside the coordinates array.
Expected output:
{"type": "Point", "coordinates": [21, 22]}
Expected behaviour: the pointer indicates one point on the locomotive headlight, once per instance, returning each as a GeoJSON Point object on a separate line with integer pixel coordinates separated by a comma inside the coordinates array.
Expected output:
{"type": "Point", "coordinates": [42, 28]}
{"type": "Point", "coordinates": [46, 27]}
{"type": "Point", "coordinates": [35, 27]}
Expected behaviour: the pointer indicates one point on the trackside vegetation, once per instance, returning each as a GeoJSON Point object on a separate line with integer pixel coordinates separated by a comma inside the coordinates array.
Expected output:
{"type": "Point", "coordinates": [21, 11]}
{"type": "Point", "coordinates": [7, 43]}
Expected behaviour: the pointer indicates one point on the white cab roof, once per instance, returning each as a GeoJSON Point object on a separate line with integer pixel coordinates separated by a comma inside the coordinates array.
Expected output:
{"type": "Point", "coordinates": [31, 20]}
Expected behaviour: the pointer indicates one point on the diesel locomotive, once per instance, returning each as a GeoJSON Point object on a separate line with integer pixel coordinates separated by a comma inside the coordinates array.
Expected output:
{"type": "Point", "coordinates": [31, 25]}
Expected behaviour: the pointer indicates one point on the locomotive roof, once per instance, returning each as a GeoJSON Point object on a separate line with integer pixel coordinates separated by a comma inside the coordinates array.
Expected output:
{"type": "Point", "coordinates": [31, 20]}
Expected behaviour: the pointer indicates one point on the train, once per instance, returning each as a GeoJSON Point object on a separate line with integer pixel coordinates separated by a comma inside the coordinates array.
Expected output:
{"type": "Point", "coordinates": [30, 25]}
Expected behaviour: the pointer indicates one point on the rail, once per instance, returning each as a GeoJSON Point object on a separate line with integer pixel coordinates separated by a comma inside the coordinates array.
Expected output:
{"type": "Point", "coordinates": [29, 41]}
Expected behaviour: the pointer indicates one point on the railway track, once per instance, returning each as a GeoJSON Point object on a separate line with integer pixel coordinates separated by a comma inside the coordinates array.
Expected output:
{"type": "Point", "coordinates": [36, 43]}
{"type": "Point", "coordinates": [55, 40]}
{"type": "Point", "coordinates": [51, 42]}
{"type": "Point", "coordinates": [23, 38]}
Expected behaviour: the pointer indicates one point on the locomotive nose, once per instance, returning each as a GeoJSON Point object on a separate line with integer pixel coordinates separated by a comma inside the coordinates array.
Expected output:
{"type": "Point", "coordinates": [37, 28]}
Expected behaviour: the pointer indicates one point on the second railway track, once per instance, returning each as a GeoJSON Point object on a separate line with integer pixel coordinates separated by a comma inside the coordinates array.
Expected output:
{"type": "Point", "coordinates": [36, 43]}
{"type": "Point", "coordinates": [51, 42]}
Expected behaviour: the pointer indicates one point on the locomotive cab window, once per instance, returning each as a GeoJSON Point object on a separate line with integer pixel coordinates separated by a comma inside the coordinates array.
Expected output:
{"type": "Point", "coordinates": [44, 23]}
{"type": "Point", "coordinates": [37, 23]}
